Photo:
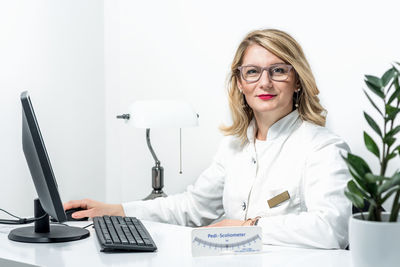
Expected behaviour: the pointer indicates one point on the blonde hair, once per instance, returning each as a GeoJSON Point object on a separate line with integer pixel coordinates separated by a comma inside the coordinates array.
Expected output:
{"type": "Point", "coordinates": [286, 48]}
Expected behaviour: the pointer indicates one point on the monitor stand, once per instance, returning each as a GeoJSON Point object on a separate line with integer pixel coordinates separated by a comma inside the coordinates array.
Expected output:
{"type": "Point", "coordinates": [43, 232]}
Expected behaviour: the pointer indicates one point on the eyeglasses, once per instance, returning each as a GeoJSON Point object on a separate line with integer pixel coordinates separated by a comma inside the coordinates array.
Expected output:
{"type": "Point", "coordinates": [277, 72]}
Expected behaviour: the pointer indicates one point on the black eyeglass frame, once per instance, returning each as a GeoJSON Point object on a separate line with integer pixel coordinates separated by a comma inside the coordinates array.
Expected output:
{"type": "Point", "coordinates": [268, 69]}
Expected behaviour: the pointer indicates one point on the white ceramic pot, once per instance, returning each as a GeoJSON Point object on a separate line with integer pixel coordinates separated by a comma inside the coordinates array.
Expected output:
{"type": "Point", "coordinates": [374, 244]}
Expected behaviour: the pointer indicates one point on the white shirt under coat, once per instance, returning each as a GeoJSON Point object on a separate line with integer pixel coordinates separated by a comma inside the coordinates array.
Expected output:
{"type": "Point", "coordinates": [297, 156]}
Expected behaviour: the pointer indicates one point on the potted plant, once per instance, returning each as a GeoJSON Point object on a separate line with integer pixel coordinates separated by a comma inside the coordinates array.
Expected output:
{"type": "Point", "coordinates": [374, 235]}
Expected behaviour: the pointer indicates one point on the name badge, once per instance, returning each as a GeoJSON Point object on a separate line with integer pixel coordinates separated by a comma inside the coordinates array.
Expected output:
{"type": "Point", "coordinates": [278, 199]}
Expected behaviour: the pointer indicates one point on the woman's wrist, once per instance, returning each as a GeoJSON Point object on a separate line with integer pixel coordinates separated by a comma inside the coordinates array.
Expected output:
{"type": "Point", "coordinates": [116, 210]}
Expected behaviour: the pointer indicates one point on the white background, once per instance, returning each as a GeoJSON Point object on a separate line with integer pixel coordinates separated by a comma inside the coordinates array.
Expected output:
{"type": "Point", "coordinates": [85, 61]}
{"type": "Point", "coordinates": [55, 50]}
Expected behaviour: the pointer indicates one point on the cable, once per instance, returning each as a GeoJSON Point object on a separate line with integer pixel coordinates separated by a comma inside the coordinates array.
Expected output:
{"type": "Point", "coordinates": [20, 220]}
{"type": "Point", "coordinates": [9, 222]}
{"type": "Point", "coordinates": [29, 220]}
{"type": "Point", "coordinates": [15, 216]}
{"type": "Point", "coordinates": [87, 226]}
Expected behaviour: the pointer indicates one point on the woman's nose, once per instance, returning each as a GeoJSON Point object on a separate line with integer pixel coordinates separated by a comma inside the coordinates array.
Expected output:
{"type": "Point", "coordinates": [265, 80]}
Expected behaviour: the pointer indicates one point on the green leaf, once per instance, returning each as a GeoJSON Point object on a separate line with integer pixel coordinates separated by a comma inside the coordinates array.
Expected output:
{"type": "Point", "coordinates": [372, 102]}
{"type": "Point", "coordinates": [353, 188]}
{"type": "Point", "coordinates": [392, 182]}
{"type": "Point", "coordinates": [371, 145]}
{"type": "Point", "coordinates": [397, 148]}
{"type": "Point", "coordinates": [353, 166]}
{"type": "Point", "coordinates": [355, 199]}
{"type": "Point", "coordinates": [373, 124]}
{"type": "Point", "coordinates": [372, 189]}
{"type": "Point", "coordinates": [360, 181]}
{"type": "Point", "coordinates": [390, 156]}
{"type": "Point", "coordinates": [392, 111]}
{"type": "Point", "coordinates": [389, 140]}
{"type": "Point", "coordinates": [357, 165]}
{"type": "Point", "coordinates": [393, 132]}
{"type": "Point", "coordinates": [376, 90]}
{"type": "Point", "coordinates": [395, 94]}
{"type": "Point", "coordinates": [358, 168]}
{"type": "Point", "coordinates": [377, 82]}
{"type": "Point", "coordinates": [397, 67]}
{"type": "Point", "coordinates": [388, 76]}
{"type": "Point", "coordinates": [375, 178]}
{"type": "Point", "coordinates": [388, 194]}
{"type": "Point", "coordinates": [396, 85]}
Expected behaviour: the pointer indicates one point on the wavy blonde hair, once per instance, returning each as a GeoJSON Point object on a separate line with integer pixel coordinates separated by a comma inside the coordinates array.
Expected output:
{"type": "Point", "coordinates": [286, 48]}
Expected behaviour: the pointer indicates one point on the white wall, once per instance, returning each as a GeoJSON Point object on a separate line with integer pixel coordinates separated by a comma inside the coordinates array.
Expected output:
{"type": "Point", "coordinates": [54, 49]}
{"type": "Point", "coordinates": [183, 49]}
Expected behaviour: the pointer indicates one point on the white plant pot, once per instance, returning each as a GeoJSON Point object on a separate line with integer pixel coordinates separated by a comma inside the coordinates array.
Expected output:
{"type": "Point", "coordinates": [374, 244]}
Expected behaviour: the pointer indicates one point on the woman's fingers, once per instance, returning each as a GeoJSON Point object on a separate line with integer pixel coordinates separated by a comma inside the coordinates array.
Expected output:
{"type": "Point", "coordinates": [93, 208]}
{"type": "Point", "coordinates": [81, 214]}
{"type": "Point", "coordinates": [72, 204]}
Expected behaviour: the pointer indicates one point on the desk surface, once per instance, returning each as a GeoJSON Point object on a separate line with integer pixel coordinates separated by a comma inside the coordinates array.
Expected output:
{"type": "Point", "coordinates": [174, 249]}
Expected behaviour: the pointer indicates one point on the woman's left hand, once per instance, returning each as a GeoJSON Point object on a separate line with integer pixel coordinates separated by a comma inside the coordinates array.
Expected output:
{"type": "Point", "coordinates": [228, 222]}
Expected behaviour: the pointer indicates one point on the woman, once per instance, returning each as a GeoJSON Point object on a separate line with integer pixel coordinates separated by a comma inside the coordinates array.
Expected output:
{"type": "Point", "coordinates": [278, 167]}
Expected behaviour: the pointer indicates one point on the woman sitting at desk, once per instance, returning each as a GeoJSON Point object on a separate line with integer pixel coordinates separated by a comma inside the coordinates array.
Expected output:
{"type": "Point", "coordinates": [278, 167]}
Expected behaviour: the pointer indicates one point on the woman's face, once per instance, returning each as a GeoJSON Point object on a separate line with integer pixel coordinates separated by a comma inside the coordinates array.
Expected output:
{"type": "Point", "coordinates": [267, 96]}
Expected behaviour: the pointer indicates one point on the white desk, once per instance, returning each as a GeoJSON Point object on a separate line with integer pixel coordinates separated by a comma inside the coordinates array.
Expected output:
{"type": "Point", "coordinates": [174, 249]}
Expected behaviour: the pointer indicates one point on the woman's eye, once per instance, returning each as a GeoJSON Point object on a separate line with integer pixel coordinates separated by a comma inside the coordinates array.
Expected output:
{"type": "Point", "coordinates": [279, 70]}
{"type": "Point", "coordinates": [252, 71]}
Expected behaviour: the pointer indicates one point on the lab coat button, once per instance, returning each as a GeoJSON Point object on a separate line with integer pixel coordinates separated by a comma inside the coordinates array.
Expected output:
{"type": "Point", "coordinates": [244, 205]}
{"type": "Point", "coordinates": [253, 160]}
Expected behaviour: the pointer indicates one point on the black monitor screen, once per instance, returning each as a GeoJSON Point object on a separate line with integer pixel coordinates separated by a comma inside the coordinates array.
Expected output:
{"type": "Point", "coordinates": [39, 163]}
{"type": "Point", "coordinates": [49, 202]}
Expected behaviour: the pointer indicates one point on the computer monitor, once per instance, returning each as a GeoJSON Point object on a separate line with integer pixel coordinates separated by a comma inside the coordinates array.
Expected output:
{"type": "Point", "coordinates": [49, 200]}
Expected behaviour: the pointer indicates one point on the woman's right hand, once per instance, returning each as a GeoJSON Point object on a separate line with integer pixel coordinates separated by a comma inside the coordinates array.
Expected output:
{"type": "Point", "coordinates": [93, 208]}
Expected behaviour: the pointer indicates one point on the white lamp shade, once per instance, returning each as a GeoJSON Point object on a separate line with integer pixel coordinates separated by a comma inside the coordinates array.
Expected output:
{"type": "Point", "coordinates": [162, 114]}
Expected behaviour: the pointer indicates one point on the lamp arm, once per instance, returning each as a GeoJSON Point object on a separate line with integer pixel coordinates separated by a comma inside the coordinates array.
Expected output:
{"type": "Point", "coordinates": [151, 148]}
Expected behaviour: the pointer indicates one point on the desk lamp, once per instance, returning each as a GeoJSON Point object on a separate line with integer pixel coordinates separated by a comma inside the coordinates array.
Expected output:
{"type": "Point", "coordinates": [160, 114]}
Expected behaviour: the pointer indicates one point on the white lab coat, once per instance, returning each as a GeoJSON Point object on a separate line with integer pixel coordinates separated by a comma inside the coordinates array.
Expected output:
{"type": "Point", "coordinates": [301, 158]}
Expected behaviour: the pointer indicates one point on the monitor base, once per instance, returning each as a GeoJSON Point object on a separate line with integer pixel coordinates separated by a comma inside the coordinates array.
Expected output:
{"type": "Point", "coordinates": [57, 233]}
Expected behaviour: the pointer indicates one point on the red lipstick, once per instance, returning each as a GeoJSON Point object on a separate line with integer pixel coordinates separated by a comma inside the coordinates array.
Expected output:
{"type": "Point", "coordinates": [266, 96]}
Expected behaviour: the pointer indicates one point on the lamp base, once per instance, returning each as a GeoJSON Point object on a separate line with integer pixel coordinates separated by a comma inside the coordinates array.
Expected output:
{"type": "Point", "coordinates": [155, 194]}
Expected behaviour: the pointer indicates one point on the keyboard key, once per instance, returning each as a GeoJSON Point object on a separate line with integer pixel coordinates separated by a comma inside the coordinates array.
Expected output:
{"type": "Point", "coordinates": [128, 235]}
{"type": "Point", "coordinates": [147, 241]}
{"type": "Point", "coordinates": [114, 220]}
{"type": "Point", "coordinates": [114, 235]}
{"type": "Point", "coordinates": [121, 236]}
{"type": "Point", "coordinates": [121, 220]}
{"type": "Point", "coordinates": [136, 235]}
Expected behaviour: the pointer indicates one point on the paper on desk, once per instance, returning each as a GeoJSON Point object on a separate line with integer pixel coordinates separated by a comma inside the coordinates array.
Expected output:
{"type": "Point", "coordinates": [226, 240]}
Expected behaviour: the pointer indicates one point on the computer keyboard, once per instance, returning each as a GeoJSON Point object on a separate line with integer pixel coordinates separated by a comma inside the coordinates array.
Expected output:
{"type": "Point", "coordinates": [116, 233]}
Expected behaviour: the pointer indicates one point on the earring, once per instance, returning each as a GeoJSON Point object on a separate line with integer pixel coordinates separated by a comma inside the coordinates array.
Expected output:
{"type": "Point", "coordinates": [297, 98]}
{"type": "Point", "coordinates": [244, 105]}
{"type": "Point", "coordinates": [241, 91]}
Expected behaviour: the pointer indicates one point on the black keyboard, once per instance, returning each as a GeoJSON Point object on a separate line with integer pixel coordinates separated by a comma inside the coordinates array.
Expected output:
{"type": "Point", "coordinates": [116, 233]}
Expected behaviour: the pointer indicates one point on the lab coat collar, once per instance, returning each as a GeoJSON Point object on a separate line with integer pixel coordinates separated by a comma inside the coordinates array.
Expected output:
{"type": "Point", "coordinates": [281, 128]}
